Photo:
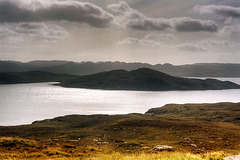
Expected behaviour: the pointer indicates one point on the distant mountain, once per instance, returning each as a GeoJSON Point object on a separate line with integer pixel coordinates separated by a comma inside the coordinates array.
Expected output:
{"type": "Point", "coordinates": [145, 79]}
{"type": "Point", "coordinates": [41, 64]}
{"type": "Point", "coordinates": [203, 70]}
{"type": "Point", "coordinates": [14, 66]}
{"type": "Point", "coordinates": [87, 68]}
{"type": "Point", "coordinates": [32, 77]}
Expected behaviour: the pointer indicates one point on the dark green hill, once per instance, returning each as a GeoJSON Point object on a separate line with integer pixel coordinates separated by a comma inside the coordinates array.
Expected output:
{"type": "Point", "coordinates": [145, 79]}
{"type": "Point", "coordinates": [32, 76]}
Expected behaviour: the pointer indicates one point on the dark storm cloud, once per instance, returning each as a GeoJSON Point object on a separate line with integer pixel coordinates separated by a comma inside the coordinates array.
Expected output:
{"type": "Point", "coordinates": [136, 20]}
{"type": "Point", "coordinates": [226, 11]}
{"type": "Point", "coordinates": [186, 24]}
{"type": "Point", "coordinates": [38, 11]}
{"type": "Point", "coordinates": [148, 24]}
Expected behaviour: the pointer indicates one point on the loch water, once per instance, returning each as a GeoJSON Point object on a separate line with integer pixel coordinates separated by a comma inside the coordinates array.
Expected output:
{"type": "Point", "coordinates": [25, 103]}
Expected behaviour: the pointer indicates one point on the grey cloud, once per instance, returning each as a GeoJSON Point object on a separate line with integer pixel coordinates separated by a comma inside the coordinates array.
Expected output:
{"type": "Point", "coordinates": [226, 11]}
{"type": "Point", "coordinates": [161, 36]}
{"type": "Point", "coordinates": [25, 32]}
{"type": "Point", "coordinates": [186, 24]}
{"type": "Point", "coordinates": [223, 46]}
{"type": "Point", "coordinates": [38, 11]}
{"type": "Point", "coordinates": [157, 45]}
{"type": "Point", "coordinates": [140, 43]}
{"type": "Point", "coordinates": [191, 47]}
{"type": "Point", "coordinates": [230, 30]}
{"type": "Point", "coordinates": [120, 7]}
{"type": "Point", "coordinates": [131, 18]}
{"type": "Point", "coordinates": [148, 24]}
{"type": "Point", "coordinates": [219, 44]}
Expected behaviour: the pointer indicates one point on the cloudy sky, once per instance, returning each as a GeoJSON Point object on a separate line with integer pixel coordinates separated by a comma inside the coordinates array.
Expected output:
{"type": "Point", "coordinates": [151, 31]}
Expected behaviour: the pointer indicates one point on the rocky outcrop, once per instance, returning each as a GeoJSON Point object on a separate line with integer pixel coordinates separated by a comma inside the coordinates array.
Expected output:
{"type": "Point", "coordinates": [162, 148]}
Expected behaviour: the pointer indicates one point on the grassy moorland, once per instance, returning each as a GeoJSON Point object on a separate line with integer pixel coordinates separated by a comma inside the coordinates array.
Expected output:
{"type": "Point", "coordinates": [203, 131]}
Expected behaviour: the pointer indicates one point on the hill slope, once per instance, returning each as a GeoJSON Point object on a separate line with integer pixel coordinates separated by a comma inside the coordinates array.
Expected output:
{"type": "Point", "coordinates": [145, 79]}
{"type": "Point", "coordinates": [219, 112]}
{"type": "Point", "coordinates": [32, 76]}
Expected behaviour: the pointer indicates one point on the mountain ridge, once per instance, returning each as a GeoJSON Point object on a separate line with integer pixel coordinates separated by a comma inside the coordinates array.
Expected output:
{"type": "Point", "coordinates": [88, 67]}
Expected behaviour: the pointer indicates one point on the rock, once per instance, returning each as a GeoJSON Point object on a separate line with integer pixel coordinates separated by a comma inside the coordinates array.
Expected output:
{"type": "Point", "coordinates": [95, 140]}
{"type": "Point", "coordinates": [119, 141]}
{"type": "Point", "coordinates": [193, 145]}
{"type": "Point", "coordinates": [235, 157]}
{"type": "Point", "coordinates": [162, 148]}
{"type": "Point", "coordinates": [73, 140]}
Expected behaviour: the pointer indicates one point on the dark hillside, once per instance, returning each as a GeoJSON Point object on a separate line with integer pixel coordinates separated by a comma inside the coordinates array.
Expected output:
{"type": "Point", "coordinates": [32, 77]}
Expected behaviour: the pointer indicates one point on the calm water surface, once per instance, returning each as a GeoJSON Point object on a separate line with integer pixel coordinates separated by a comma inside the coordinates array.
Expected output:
{"type": "Point", "coordinates": [25, 103]}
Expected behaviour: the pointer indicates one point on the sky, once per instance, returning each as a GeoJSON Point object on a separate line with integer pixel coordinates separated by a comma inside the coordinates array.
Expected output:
{"type": "Point", "coordinates": [149, 31]}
